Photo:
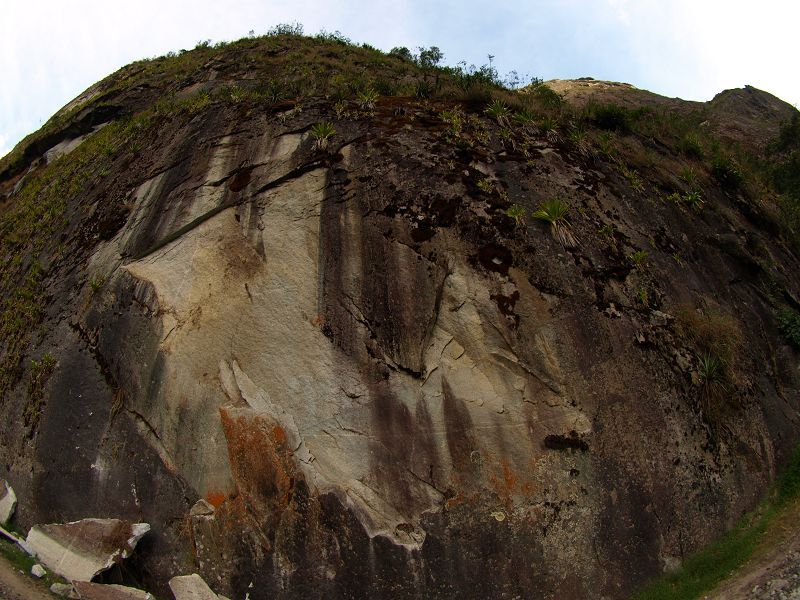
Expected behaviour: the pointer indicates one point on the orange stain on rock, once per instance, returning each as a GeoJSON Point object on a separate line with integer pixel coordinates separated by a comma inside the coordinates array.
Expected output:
{"type": "Point", "coordinates": [279, 435]}
{"type": "Point", "coordinates": [215, 499]}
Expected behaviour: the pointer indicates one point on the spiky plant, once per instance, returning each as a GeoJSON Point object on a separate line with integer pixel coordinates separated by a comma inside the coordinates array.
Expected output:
{"type": "Point", "coordinates": [712, 375]}
{"type": "Point", "coordinates": [524, 117]}
{"type": "Point", "coordinates": [694, 199]}
{"type": "Point", "coordinates": [554, 211]}
{"type": "Point", "coordinates": [322, 132]}
{"type": "Point", "coordinates": [367, 99]}
{"type": "Point", "coordinates": [499, 111]}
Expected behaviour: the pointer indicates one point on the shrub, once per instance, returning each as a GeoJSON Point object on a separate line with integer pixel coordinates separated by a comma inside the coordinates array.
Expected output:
{"type": "Point", "coordinates": [402, 52]}
{"type": "Point", "coordinates": [286, 29]}
{"type": "Point", "coordinates": [789, 325]}
{"type": "Point", "coordinates": [546, 96]}
{"type": "Point", "coordinates": [690, 145]}
{"type": "Point", "coordinates": [713, 332]}
{"type": "Point", "coordinates": [612, 117]}
{"type": "Point", "coordinates": [727, 172]}
{"type": "Point", "coordinates": [429, 57]}
{"type": "Point", "coordinates": [717, 338]}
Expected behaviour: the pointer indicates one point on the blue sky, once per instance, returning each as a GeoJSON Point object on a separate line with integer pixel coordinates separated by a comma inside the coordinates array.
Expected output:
{"type": "Point", "coordinates": [51, 50]}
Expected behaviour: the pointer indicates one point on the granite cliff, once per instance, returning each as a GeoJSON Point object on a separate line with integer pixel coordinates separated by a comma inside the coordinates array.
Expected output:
{"type": "Point", "coordinates": [290, 302]}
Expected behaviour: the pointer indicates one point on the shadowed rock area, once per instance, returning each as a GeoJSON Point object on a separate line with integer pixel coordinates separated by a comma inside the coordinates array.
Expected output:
{"type": "Point", "coordinates": [352, 371]}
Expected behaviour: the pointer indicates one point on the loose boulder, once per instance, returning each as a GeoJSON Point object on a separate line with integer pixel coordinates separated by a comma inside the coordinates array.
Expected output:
{"type": "Point", "coordinates": [38, 571]}
{"type": "Point", "coordinates": [191, 587]}
{"type": "Point", "coordinates": [80, 550]}
{"type": "Point", "coordinates": [99, 591]}
{"type": "Point", "coordinates": [8, 501]}
{"type": "Point", "coordinates": [65, 590]}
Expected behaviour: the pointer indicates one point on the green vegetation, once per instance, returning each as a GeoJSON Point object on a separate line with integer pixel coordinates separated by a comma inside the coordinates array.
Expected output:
{"type": "Point", "coordinates": [95, 283]}
{"type": "Point", "coordinates": [322, 132]}
{"type": "Point", "coordinates": [38, 374]}
{"type": "Point", "coordinates": [692, 198]}
{"type": "Point", "coordinates": [701, 572]}
{"type": "Point", "coordinates": [638, 258]}
{"type": "Point", "coordinates": [717, 338]}
{"type": "Point", "coordinates": [367, 99]}
{"type": "Point", "coordinates": [727, 172]}
{"type": "Point", "coordinates": [499, 111]}
{"type": "Point", "coordinates": [555, 211]}
{"type": "Point", "coordinates": [28, 229]}
{"type": "Point", "coordinates": [636, 182]}
{"type": "Point", "coordinates": [22, 561]}
{"type": "Point", "coordinates": [789, 325]}
{"type": "Point", "coordinates": [612, 117]}
{"type": "Point", "coordinates": [783, 171]}
{"type": "Point", "coordinates": [486, 185]}
{"type": "Point", "coordinates": [517, 212]}
{"type": "Point", "coordinates": [690, 145]}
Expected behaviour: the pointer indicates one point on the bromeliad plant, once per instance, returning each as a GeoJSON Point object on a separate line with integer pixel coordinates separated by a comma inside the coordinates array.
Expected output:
{"type": "Point", "coordinates": [500, 112]}
{"type": "Point", "coordinates": [322, 132]}
{"type": "Point", "coordinates": [367, 99]}
{"type": "Point", "coordinates": [554, 211]}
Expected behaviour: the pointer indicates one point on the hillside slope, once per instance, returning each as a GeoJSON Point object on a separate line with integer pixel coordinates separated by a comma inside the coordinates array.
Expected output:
{"type": "Point", "coordinates": [403, 339]}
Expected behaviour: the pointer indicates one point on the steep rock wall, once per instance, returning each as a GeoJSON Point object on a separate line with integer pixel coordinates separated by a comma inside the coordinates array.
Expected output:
{"type": "Point", "coordinates": [383, 385]}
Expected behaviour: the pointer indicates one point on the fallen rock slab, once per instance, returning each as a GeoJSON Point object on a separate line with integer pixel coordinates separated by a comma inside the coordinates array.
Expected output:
{"type": "Point", "coordinates": [38, 571]}
{"type": "Point", "coordinates": [191, 587]}
{"type": "Point", "coordinates": [80, 550]}
{"type": "Point", "coordinates": [65, 590]}
{"type": "Point", "coordinates": [8, 501]}
{"type": "Point", "coordinates": [101, 591]}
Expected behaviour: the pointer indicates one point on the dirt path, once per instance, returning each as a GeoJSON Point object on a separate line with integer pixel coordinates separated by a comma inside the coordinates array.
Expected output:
{"type": "Point", "coordinates": [16, 586]}
{"type": "Point", "coordinates": [773, 572]}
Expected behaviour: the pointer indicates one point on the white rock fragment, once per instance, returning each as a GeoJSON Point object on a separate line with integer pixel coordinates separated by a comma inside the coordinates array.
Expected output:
{"type": "Point", "coordinates": [38, 571]}
{"type": "Point", "coordinates": [202, 508]}
{"type": "Point", "coordinates": [65, 590]}
{"type": "Point", "coordinates": [8, 501]}
{"type": "Point", "coordinates": [80, 550]}
{"type": "Point", "coordinates": [191, 587]}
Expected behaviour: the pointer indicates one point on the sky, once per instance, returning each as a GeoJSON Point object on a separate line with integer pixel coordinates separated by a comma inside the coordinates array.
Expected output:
{"type": "Point", "coordinates": [52, 50]}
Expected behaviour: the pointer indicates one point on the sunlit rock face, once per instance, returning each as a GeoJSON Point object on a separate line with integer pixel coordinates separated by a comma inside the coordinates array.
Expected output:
{"type": "Point", "coordinates": [348, 372]}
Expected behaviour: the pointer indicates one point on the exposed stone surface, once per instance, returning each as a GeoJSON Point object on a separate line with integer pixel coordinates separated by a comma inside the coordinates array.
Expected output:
{"type": "Point", "coordinates": [80, 550]}
{"type": "Point", "coordinates": [8, 501]}
{"type": "Point", "coordinates": [191, 587]}
{"type": "Point", "coordinates": [65, 590]}
{"type": "Point", "coordinates": [350, 373]}
{"type": "Point", "coordinates": [101, 591]}
{"type": "Point", "coordinates": [38, 571]}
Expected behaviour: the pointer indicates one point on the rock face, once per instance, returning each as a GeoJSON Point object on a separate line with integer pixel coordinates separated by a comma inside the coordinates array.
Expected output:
{"type": "Point", "coordinates": [99, 591]}
{"type": "Point", "coordinates": [351, 372]}
{"type": "Point", "coordinates": [81, 550]}
{"type": "Point", "coordinates": [191, 587]}
{"type": "Point", "coordinates": [8, 501]}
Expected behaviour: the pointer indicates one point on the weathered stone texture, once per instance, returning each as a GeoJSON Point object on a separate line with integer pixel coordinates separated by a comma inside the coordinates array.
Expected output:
{"type": "Point", "coordinates": [349, 373]}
